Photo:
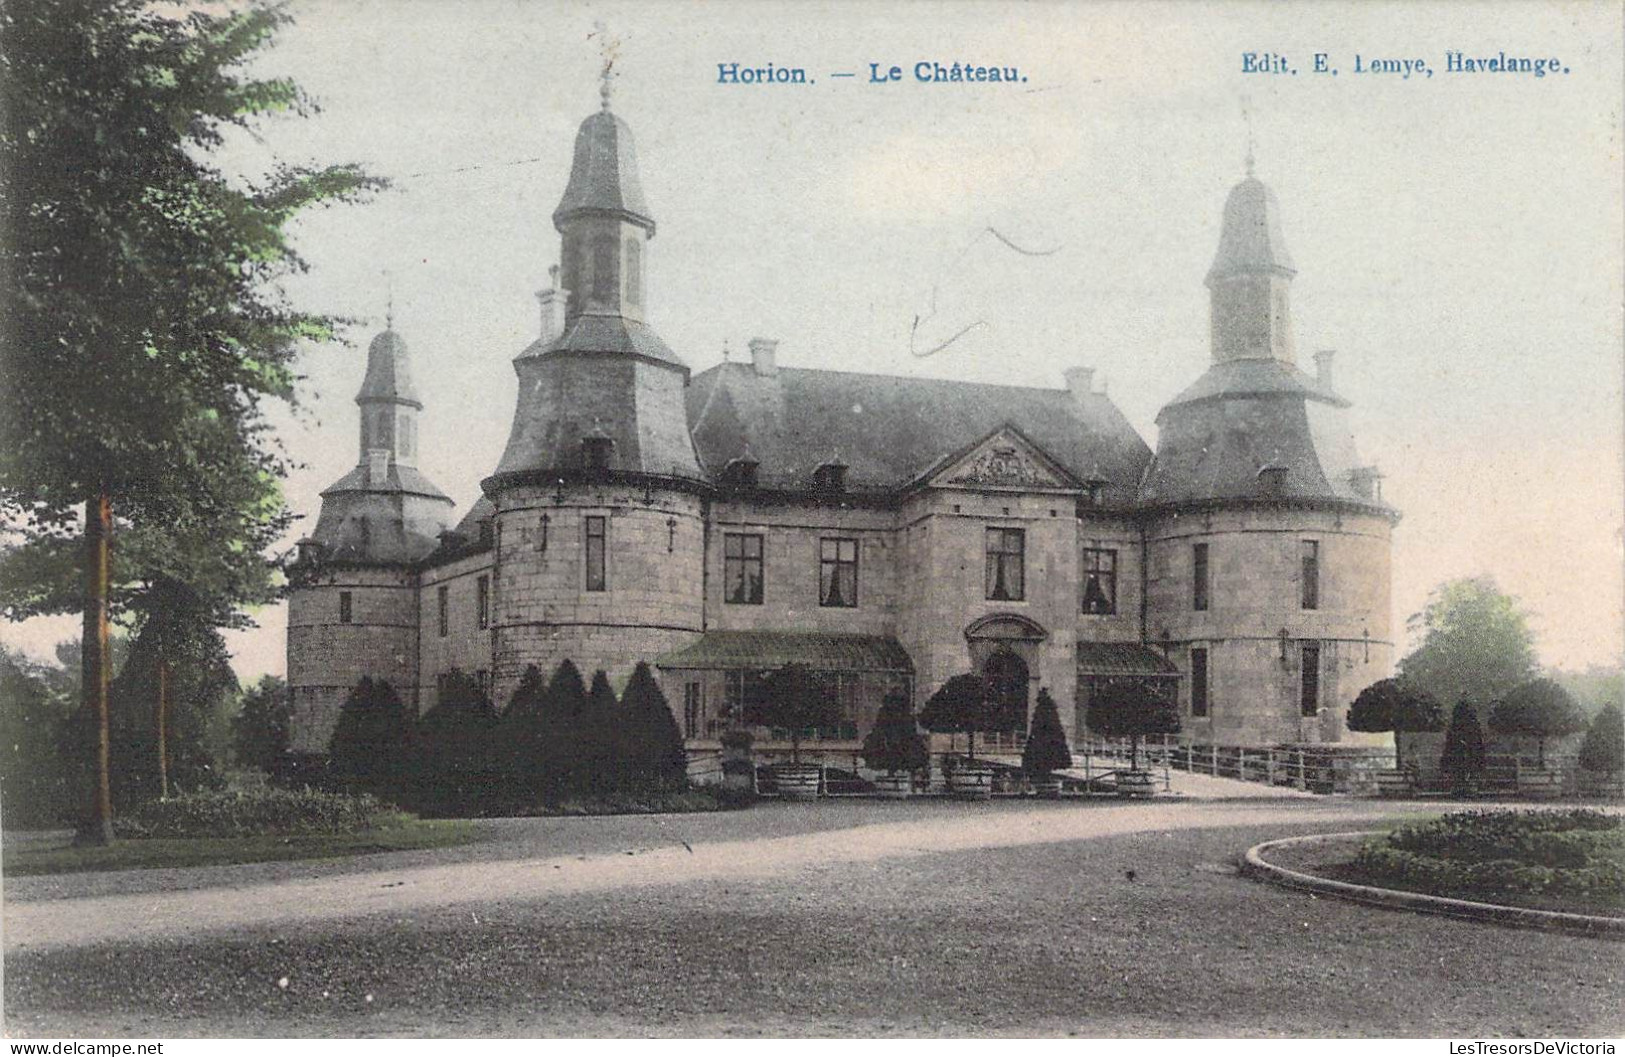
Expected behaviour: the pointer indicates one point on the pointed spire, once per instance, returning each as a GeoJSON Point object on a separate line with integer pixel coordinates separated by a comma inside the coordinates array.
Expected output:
{"type": "Point", "coordinates": [1247, 117]}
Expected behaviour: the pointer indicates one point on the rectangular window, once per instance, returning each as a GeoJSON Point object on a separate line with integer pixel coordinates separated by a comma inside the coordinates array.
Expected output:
{"type": "Point", "coordinates": [1311, 574]}
{"type": "Point", "coordinates": [597, 533]}
{"type": "Point", "coordinates": [693, 711]}
{"type": "Point", "coordinates": [346, 607]}
{"type": "Point", "coordinates": [742, 569]}
{"type": "Point", "coordinates": [1006, 564]}
{"type": "Point", "coordinates": [1311, 679]}
{"type": "Point", "coordinates": [838, 573]}
{"type": "Point", "coordinates": [1199, 577]}
{"type": "Point", "coordinates": [482, 601]}
{"type": "Point", "coordinates": [442, 602]}
{"type": "Point", "coordinates": [1198, 682]}
{"type": "Point", "coordinates": [1099, 582]}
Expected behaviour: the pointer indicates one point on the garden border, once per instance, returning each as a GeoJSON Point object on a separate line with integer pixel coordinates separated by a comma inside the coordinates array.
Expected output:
{"type": "Point", "coordinates": [1254, 866]}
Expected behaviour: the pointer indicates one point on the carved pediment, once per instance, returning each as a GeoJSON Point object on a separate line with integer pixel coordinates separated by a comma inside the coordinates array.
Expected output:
{"type": "Point", "coordinates": [1004, 460]}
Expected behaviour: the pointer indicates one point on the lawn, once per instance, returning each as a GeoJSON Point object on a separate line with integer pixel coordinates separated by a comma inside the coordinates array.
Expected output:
{"type": "Point", "coordinates": [1038, 939]}
{"type": "Point", "coordinates": [23, 858]}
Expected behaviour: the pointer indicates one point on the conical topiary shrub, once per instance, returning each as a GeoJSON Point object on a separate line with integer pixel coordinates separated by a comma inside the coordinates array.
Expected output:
{"type": "Point", "coordinates": [651, 754]}
{"type": "Point", "coordinates": [372, 742]}
{"type": "Point", "coordinates": [566, 703]}
{"type": "Point", "coordinates": [597, 739]}
{"type": "Point", "coordinates": [894, 745]}
{"type": "Point", "coordinates": [1463, 761]}
{"type": "Point", "coordinates": [1046, 750]}
{"type": "Point", "coordinates": [458, 772]}
{"type": "Point", "coordinates": [1603, 750]}
{"type": "Point", "coordinates": [522, 749]}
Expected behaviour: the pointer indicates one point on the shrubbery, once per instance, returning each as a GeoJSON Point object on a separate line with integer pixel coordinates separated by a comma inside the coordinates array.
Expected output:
{"type": "Point", "coordinates": [556, 744]}
{"type": "Point", "coordinates": [1498, 855]}
{"type": "Point", "coordinates": [261, 812]}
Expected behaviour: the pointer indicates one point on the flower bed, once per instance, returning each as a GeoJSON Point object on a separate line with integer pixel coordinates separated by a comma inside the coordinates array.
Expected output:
{"type": "Point", "coordinates": [1572, 860]}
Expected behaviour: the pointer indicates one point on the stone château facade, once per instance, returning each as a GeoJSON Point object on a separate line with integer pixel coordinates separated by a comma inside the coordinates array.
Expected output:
{"type": "Point", "coordinates": [890, 532]}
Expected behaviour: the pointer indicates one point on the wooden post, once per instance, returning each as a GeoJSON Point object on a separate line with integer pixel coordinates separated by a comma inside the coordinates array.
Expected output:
{"type": "Point", "coordinates": [1213, 765]}
{"type": "Point", "coordinates": [1269, 765]}
{"type": "Point", "coordinates": [95, 659]}
{"type": "Point", "coordinates": [1303, 779]}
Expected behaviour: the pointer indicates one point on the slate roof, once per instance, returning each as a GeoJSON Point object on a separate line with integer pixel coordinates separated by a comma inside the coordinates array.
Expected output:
{"type": "Point", "coordinates": [889, 431]}
{"type": "Point", "coordinates": [1122, 658]}
{"type": "Point", "coordinates": [1245, 415]}
{"type": "Point", "coordinates": [604, 174]}
{"type": "Point", "coordinates": [1251, 239]}
{"type": "Point", "coordinates": [819, 650]}
{"type": "Point", "coordinates": [400, 478]}
{"type": "Point", "coordinates": [591, 333]}
{"type": "Point", "coordinates": [389, 375]}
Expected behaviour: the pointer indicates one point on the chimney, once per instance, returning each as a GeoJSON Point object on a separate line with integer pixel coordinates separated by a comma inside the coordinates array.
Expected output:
{"type": "Point", "coordinates": [1323, 367]}
{"type": "Point", "coordinates": [1080, 380]}
{"type": "Point", "coordinates": [377, 466]}
{"type": "Point", "coordinates": [764, 356]}
{"type": "Point", "coordinates": [552, 302]}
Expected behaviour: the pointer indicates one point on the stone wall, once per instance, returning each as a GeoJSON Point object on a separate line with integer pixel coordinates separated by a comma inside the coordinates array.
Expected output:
{"type": "Point", "coordinates": [653, 600]}
{"type": "Point", "coordinates": [327, 657]}
{"type": "Point", "coordinates": [1254, 594]}
{"type": "Point", "coordinates": [465, 646]}
{"type": "Point", "coordinates": [791, 539]}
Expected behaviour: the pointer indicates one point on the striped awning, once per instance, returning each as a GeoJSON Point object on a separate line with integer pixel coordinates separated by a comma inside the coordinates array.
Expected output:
{"type": "Point", "coordinates": [819, 650]}
{"type": "Point", "coordinates": [1123, 658]}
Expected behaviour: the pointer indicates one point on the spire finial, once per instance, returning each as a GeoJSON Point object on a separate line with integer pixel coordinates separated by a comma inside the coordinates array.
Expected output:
{"type": "Point", "coordinates": [1247, 116]}
{"type": "Point", "coordinates": [389, 310]}
{"type": "Point", "coordinates": [606, 51]}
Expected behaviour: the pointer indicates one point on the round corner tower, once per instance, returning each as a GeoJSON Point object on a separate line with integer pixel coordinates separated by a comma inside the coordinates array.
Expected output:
{"type": "Point", "coordinates": [599, 525]}
{"type": "Point", "coordinates": [352, 609]}
{"type": "Point", "coordinates": [1268, 543]}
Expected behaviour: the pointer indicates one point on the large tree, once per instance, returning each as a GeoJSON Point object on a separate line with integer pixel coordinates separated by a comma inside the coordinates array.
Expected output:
{"type": "Point", "coordinates": [1475, 644]}
{"type": "Point", "coordinates": [144, 327]}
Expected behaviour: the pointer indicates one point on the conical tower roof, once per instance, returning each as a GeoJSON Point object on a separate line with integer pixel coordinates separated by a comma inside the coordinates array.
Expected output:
{"type": "Point", "coordinates": [1251, 241]}
{"type": "Point", "coordinates": [604, 174]}
{"type": "Point", "coordinates": [389, 372]}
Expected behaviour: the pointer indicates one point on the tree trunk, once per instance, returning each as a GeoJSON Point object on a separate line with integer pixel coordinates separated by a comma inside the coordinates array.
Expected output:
{"type": "Point", "coordinates": [1134, 752]}
{"type": "Point", "coordinates": [162, 717]}
{"type": "Point", "coordinates": [971, 753]}
{"type": "Point", "coordinates": [95, 661]}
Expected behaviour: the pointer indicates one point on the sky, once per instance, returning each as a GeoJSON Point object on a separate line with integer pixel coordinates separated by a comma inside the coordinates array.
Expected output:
{"type": "Point", "coordinates": [1457, 236]}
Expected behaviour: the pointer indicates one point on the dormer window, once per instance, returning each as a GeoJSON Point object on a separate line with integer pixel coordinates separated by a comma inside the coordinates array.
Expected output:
{"type": "Point", "coordinates": [310, 552]}
{"type": "Point", "coordinates": [595, 454]}
{"type": "Point", "coordinates": [1272, 481]}
{"type": "Point", "coordinates": [830, 477]}
{"type": "Point", "coordinates": [1094, 492]}
{"type": "Point", "coordinates": [739, 474]}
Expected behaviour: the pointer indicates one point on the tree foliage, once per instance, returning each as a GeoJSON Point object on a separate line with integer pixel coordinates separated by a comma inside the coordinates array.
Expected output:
{"type": "Point", "coordinates": [1394, 705]}
{"type": "Point", "coordinates": [261, 728]}
{"type": "Point", "coordinates": [522, 744]}
{"type": "Point", "coordinates": [795, 698]}
{"type": "Point", "coordinates": [599, 718]}
{"type": "Point", "coordinates": [144, 327]}
{"type": "Point", "coordinates": [1046, 749]}
{"type": "Point", "coordinates": [652, 753]}
{"type": "Point", "coordinates": [962, 705]}
{"type": "Point", "coordinates": [371, 748]}
{"type": "Point", "coordinates": [1463, 760]}
{"type": "Point", "coordinates": [1475, 643]}
{"type": "Point", "coordinates": [1132, 708]}
{"type": "Point", "coordinates": [35, 790]}
{"type": "Point", "coordinates": [894, 743]}
{"type": "Point", "coordinates": [1604, 747]}
{"type": "Point", "coordinates": [1540, 709]}
{"type": "Point", "coordinates": [457, 770]}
